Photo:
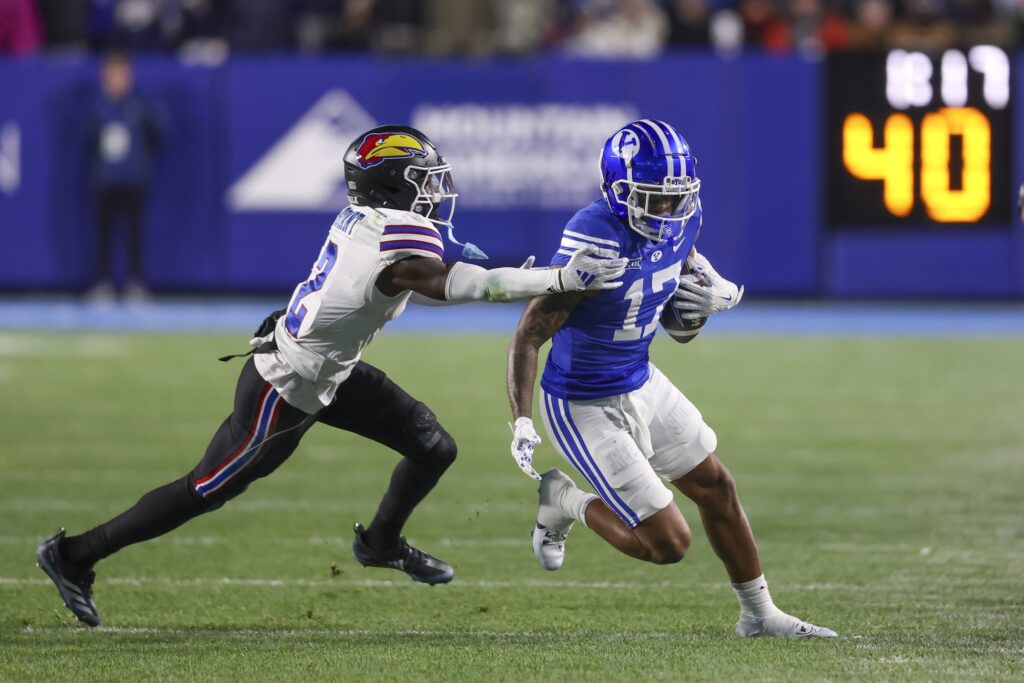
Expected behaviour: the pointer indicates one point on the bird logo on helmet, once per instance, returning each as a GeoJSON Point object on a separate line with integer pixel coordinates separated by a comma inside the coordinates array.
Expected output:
{"type": "Point", "coordinates": [649, 178]}
{"type": "Point", "coordinates": [378, 147]}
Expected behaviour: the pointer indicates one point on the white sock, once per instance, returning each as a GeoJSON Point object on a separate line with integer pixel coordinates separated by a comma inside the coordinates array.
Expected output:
{"type": "Point", "coordinates": [755, 600]}
{"type": "Point", "coordinates": [574, 503]}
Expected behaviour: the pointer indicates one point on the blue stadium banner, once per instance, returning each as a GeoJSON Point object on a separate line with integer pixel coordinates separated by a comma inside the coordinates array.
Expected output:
{"type": "Point", "coordinates": [251, 174]}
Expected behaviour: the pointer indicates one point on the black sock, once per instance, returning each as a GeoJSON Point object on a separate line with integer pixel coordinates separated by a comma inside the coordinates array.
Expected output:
{"type": "Point", "coordinates": [156, 513]}
{"type": "Point", "coordinates": [410, 483]}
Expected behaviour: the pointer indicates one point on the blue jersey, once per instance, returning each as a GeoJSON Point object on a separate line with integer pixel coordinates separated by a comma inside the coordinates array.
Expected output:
{"type": "Point", "coordinates": [602, 349]}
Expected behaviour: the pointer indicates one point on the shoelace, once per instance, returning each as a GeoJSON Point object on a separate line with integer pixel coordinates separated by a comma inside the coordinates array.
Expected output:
{"type": "Point", "coordinates": [554, 537]}
{"type": "Point", "coordinates": [84, 582]}
{"type": "Point", "coordinates": [413, 556]}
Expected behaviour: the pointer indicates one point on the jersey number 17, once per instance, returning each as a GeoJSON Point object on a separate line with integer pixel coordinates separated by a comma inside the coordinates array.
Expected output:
{"type": "Point", "coordinates": [660, 280]}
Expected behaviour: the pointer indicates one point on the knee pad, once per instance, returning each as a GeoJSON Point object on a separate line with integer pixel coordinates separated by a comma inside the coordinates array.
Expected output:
{"type": "Point", "coordinates": [677, 461]}
{"type": "Point", "coordinates": [707, 439]}
{"type": "Point", "coordinates": [429, 439]}
{"type": "Point", "coordinates": [445, 450]}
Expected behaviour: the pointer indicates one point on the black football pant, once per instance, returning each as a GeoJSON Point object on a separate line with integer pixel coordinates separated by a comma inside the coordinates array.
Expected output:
{"type": "Point", "coordinates": [129, 203]}
{"type": "Point", "coordinates": [261, 433]}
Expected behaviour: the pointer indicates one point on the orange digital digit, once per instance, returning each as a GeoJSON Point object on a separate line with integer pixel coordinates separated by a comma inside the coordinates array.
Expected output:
{"type": "Point", "coordinates": [892, 163]}
{"type": "Point", "coordinates": [971, 201]}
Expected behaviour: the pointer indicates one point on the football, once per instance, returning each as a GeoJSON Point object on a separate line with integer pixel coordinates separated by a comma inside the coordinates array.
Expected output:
{"type": "Point", "coordinates": [679, 329]}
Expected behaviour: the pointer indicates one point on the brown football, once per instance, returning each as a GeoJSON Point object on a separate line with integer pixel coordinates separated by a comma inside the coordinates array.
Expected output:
{"type": "Point", "coordinates": [680, 330]}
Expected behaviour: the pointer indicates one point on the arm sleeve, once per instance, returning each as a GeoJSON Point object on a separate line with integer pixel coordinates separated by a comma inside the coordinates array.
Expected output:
{"type": "Point", "coordinates": [467, 282]}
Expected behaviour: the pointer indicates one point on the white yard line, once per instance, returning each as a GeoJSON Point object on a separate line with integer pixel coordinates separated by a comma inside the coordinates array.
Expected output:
{"type": "Point", "coordinates": [338, 541]}
{"type": "Point", "coordinates": [471, 510]}
{"type": "Point", "coordinates": [937, 555]}
{"type": "Point", "coordinates": [400, 583]}
{"type": "Point", "coordinates": [350, 633]}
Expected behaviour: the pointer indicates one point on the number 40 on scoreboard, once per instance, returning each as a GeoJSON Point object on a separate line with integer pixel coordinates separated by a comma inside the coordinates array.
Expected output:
{"type": "Point", "coordinates": [918, 139]}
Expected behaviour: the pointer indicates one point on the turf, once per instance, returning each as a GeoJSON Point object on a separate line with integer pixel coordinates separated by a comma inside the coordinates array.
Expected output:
{"type": "Point", "coordinates": [883, 477]}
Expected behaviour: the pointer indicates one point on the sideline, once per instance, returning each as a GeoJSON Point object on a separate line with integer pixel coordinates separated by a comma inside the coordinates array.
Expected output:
{"type": "Point", "coordinates": [914, 319]}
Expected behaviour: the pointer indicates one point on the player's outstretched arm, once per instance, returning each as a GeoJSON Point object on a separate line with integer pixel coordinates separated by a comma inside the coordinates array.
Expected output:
{"type": "Point", "coordinates": [460, 282]}
{"type": "Point", "coordinates": [541, 319]}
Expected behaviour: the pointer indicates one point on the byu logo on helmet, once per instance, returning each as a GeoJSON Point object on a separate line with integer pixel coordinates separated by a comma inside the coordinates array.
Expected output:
{"type": "Point", "coordinates": [650, 178]}
{"type": "Point", "coordinates": [625, 144]}
{"type": "Point", "coordinates": [379, 147]}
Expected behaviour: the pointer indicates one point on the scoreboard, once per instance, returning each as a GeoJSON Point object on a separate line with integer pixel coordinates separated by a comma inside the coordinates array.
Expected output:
{"type": "Point", "coordinates": [919, 140]}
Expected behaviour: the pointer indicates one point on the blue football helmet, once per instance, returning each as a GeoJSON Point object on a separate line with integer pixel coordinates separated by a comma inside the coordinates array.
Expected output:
{"type": "Point", "coordinates": [650, 179]}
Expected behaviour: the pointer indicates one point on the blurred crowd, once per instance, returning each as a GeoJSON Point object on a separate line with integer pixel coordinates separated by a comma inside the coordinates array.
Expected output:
{"type": "Point", "coordinates": [212, 29]}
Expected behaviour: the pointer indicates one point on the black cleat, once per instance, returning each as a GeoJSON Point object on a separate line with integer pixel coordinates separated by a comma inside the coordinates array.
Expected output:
{"type": "Point", "coordinates": [420, 566]}
{"type": "Point", "coordinates": [75, 586]}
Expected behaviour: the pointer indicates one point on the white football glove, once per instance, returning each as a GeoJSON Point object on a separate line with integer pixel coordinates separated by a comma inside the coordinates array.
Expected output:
{"type": "Point", "coordinates": [585, 272]}
{"type": "Point", "coordinates": [703, 291]}
{"type": "Point", "coordinates": [524, 440]}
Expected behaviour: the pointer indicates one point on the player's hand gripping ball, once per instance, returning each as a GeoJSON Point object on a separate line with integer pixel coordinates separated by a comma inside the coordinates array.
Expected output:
{"type": "Point", "coordinates": [701, 293]}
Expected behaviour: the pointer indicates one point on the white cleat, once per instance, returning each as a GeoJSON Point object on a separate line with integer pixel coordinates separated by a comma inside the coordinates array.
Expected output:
{"type": "Point", "coordinates": [553, 524]}
{"type": "Point", "coordinates": [548, 548]}
{"type": "Point", "coordinates": [780, 625]}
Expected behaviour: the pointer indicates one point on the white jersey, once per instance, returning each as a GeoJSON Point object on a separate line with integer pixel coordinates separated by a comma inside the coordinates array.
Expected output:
{"type": "Point", "coordinates": [336, 313]}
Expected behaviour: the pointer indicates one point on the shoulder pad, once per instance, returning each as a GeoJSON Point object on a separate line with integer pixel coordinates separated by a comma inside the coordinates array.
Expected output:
{"type": "Point", "coordinates": [409, 234]}
{"type": "Point", "coordinates": [580, 233]}
{"type": "Point", "coordinates": [398, 217]}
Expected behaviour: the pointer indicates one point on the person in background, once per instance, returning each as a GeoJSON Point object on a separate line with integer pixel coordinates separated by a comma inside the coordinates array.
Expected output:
{"type": "Point", "coordinates": [524, 27]}
{"type": "Point", "coordinates": [816, 28]}
{"type": "Point", "coordinates": [631, 29]}
{"type": "Point", "coordinates": [460, 27]}
{"type": "Point", "coordinates": [690, 23]}
{"type": "Point", "coordinates": [65, 25]}
{"type": "Point", "coordinates": [125, 138]}
{"type": "Point", "coordinates": [20, 29]}
{"type": "Point", "coordinates": [871, 23]}
{"type": "Point", "coordinates": [922, 25]}
{"type": "Point", "coordinates": [265, 26]}
{"type": "Point", "coordinates": [764, 26]}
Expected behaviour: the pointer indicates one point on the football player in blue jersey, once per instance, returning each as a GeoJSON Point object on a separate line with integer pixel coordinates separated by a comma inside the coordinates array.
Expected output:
{"type": "Point", "coordinates": [607, 410]}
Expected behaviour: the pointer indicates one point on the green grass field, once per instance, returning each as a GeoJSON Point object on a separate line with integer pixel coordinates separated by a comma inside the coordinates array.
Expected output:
{"type": "Point", "coordinates": [884, 479]}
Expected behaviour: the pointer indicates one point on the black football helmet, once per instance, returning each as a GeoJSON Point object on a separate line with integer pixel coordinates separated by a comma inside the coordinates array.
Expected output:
{"type": "Point", "coordinates": [398, 167]}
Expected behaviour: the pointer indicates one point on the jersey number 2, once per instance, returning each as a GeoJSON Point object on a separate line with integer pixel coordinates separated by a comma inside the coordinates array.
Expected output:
{"type": "Point", "coordinates": [630, 329]}
{"type": "Point", "coordinates": [308, 292]}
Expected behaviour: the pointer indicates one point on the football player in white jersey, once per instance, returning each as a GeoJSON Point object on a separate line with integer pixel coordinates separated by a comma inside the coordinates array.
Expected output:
{"type": "Point", "coordinates": [607, 410]}
{"type": "Point", "coordinates": [382, 249]}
